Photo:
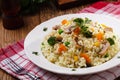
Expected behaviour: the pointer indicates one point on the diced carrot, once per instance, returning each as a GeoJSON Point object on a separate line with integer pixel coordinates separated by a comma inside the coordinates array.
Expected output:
{"type": "Point", "coordinates": [99, 36]}
{"type": "Point", "coordinates": [86, 57]}
{"type": "Point", "coordinates": [62, 48]}
{"type": "Point", "coordinates": [76, 30]}
{"type": "Point", "coordinates": [64, 22]}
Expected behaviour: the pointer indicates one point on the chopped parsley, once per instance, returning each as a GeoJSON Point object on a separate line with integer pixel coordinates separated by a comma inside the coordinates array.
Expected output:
{"type": "Point", "coordinates": [52, 40]}
{"type": "Point", "coordinates": [87, 20]}
{"type": "Point", "coordinates": [111, 41]}
{"type": "Point", "coordinates": [106, 55]}
{"type": "Point", "coordinates": [86, 32]}
{"type": "Point", "coordinates": [84, 29]}
{"type": "Point", "coordinates": [118, 57]}
{"type": "Point", "coordinates": [42, 43]}
{"type": "Point", "coordinates": [73, 69]}
{"type": "Point", "coordinates": [36, 53]}
{"type": "Point", "coordinates": [60, 31]}
{"type": "Point", "coordinates": [45, 29]}
{"type": "Point", "coordinates": [67, 43]}
{"type": "Point", "coordinates": [114, 37]}
{"type": "Point", "coordinates": [79, 21]}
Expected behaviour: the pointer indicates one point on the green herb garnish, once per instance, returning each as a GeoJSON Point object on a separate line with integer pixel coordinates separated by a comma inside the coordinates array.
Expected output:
{"type": "Point", "coordinates": [114, 36]}
{"type": "Point", "coordinates": [42, 43]}
{"type": "Point", "coordinates": [79, 21]}
{"type": "Point", "coordinates": [84, 29]}
{"type": "Point", "coordinates": [106, 55]}
{"type": "Point", "coordinates": [36, 53]}
{"type": "Point", "coordinates": [87, 20]}
{"type": "Point", "coordinates": [111, 41]}
{"type": "Point", "coordinates": [52, 40]}
{"type": "Point", "coordinates": [73, 69]}
{"type": "Point", "coordinates": [118, 57]}
{"type": "Point", "coordinates": [44, 29]}
{"type": "Point", "coordinates": [60, 31]}
{"type": "Point", "coordinates": [67, 43]}
{"type": "Point", "coordinates": [86, 32]}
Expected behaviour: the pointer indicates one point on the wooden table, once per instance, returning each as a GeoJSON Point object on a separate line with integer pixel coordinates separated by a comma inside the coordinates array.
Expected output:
{"type": "Point", "coordinates": [8, 37]}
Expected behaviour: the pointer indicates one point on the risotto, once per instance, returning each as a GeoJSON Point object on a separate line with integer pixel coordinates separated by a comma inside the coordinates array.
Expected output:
{"type": "Point", "coordinates": [80, 42]}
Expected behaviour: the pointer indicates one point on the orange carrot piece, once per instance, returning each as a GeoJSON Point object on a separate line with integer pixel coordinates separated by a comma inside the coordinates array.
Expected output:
{"type": "Point", "coordinates": [86, 56]}
{"type": "Point", "coordinates": [62, 48]}
{"type": "Point", "coordinates": [99, 36]}
{"type": "Point", "coordinates": [76, 30]}
{"type": "Point", "coordinates": [64, 22]}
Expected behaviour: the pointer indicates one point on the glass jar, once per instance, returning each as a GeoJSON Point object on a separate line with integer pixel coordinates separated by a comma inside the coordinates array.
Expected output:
{"type": "Point", "coordinates": [10, 14]}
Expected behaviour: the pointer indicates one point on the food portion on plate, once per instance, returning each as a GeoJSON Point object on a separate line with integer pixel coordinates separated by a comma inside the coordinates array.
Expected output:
{"type": "Point", "coordinates": [80, 43]}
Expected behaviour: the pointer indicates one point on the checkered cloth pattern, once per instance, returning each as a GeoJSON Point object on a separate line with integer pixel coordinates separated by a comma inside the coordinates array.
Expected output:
{"type": "Point", "coordinates": [17, 54]}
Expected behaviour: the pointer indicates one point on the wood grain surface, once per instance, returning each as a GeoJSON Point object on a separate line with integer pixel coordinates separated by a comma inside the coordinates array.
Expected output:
{"type": "Point", "coordinates": [46, 12]}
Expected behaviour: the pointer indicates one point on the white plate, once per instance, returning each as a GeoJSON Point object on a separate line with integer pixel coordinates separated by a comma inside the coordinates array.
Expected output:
{"type": "Point", "coordinates": [35, 37]}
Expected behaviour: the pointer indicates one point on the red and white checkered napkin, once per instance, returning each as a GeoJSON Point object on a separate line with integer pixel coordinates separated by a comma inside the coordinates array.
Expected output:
{"type": "Point", "coordinates": [17, 54]}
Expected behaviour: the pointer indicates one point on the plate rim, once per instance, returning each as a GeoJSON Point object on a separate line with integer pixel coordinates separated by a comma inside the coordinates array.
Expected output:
{"type": "Point", "coordinates": [73, 73]}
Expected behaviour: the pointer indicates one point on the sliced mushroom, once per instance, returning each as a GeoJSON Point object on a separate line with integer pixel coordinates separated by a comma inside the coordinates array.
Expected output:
{"type": "Point", "coordinates": [106, 45]}
{"type": "Point", "coordinates": [56, 27]}
{"type": "Point", "coordinates": [108, 29]}
{"type": "Point", "coordinates": [76, 39]}
{"type": "Point", "coordinates": [77, 44]}
{"type": "Point", "coordinates": [59, 38]}
{"type": "Point", "coordinates": [68, 30]}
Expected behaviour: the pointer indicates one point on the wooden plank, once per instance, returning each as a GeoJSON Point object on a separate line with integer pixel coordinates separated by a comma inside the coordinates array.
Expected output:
{"type": "Point", "coordinates": [8, 37]}
{"type": "Point", "coordinates": [65, 4]}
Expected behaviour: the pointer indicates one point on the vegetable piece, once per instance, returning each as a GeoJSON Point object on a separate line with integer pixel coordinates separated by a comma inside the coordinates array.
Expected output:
{"type": "Point", "coordinates": [105, 47]}
{"type": "Point", "coordinates": [106, 55]}
{"type": "Point", "coordinates": [58, 38]}
{"type": "Point", "coordinates": [97, 44]}
{"type": "Point", "coordinates": [45, 29]}
{"type": "Point", "coordinates": [86, 57]}
{"type": "Point", "coordinates": [114, 37]}
{"type": "Point", "coordinates": [118, 57]}
{"type": "Point", "coordinates": [92, 29]}
{"type": "Point", "coordinates": [86, 32]}
{"type": "Point", "coordinates": [111, 41]}
{"type": "Point", "coordinates": [36, 53]}
{"type": "Point", "coordinates": [64, 22]}
{"type": "Point", "coordinates": [60, 31]}
{"type": "Point", "coordinates": [56, 27]}
{"type": "Point", "coordinates": [99, 36]}
{"type": "Point", "coordinates": [73, 69]}
{"type": "Point", "coordinates": [62, 48]}
{"type": "Point", "coordinates": [42, 43]}
{"type": "Point", "coordinates": [84, 29]}
{"type": "Point", "coordinates": [103, 25]}
{"type": "Point", "coordinates": [52, 40]}
{"type": "Point", "coordinates": [108, 29]}
{"type": "Point", "coordinates": [68, 30]}
{"type": "Point", "coordinates": [76, 31]}
{"type": "Point", "coordinates": [67, 43]}
{"type": "Point", "coordinates": [79, 21]}
{"type": "Point", "coordinates": [75, 58]}
{"type": "Point", "coordinates": [87, 20]}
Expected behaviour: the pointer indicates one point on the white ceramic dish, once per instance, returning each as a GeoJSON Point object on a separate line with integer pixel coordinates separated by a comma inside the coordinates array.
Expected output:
{"type": "Point", "coordinates": [35, 37]}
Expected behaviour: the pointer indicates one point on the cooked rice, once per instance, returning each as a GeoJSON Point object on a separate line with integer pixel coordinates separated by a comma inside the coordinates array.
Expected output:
{"type": "Point", "coordinates": [91, 46]}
